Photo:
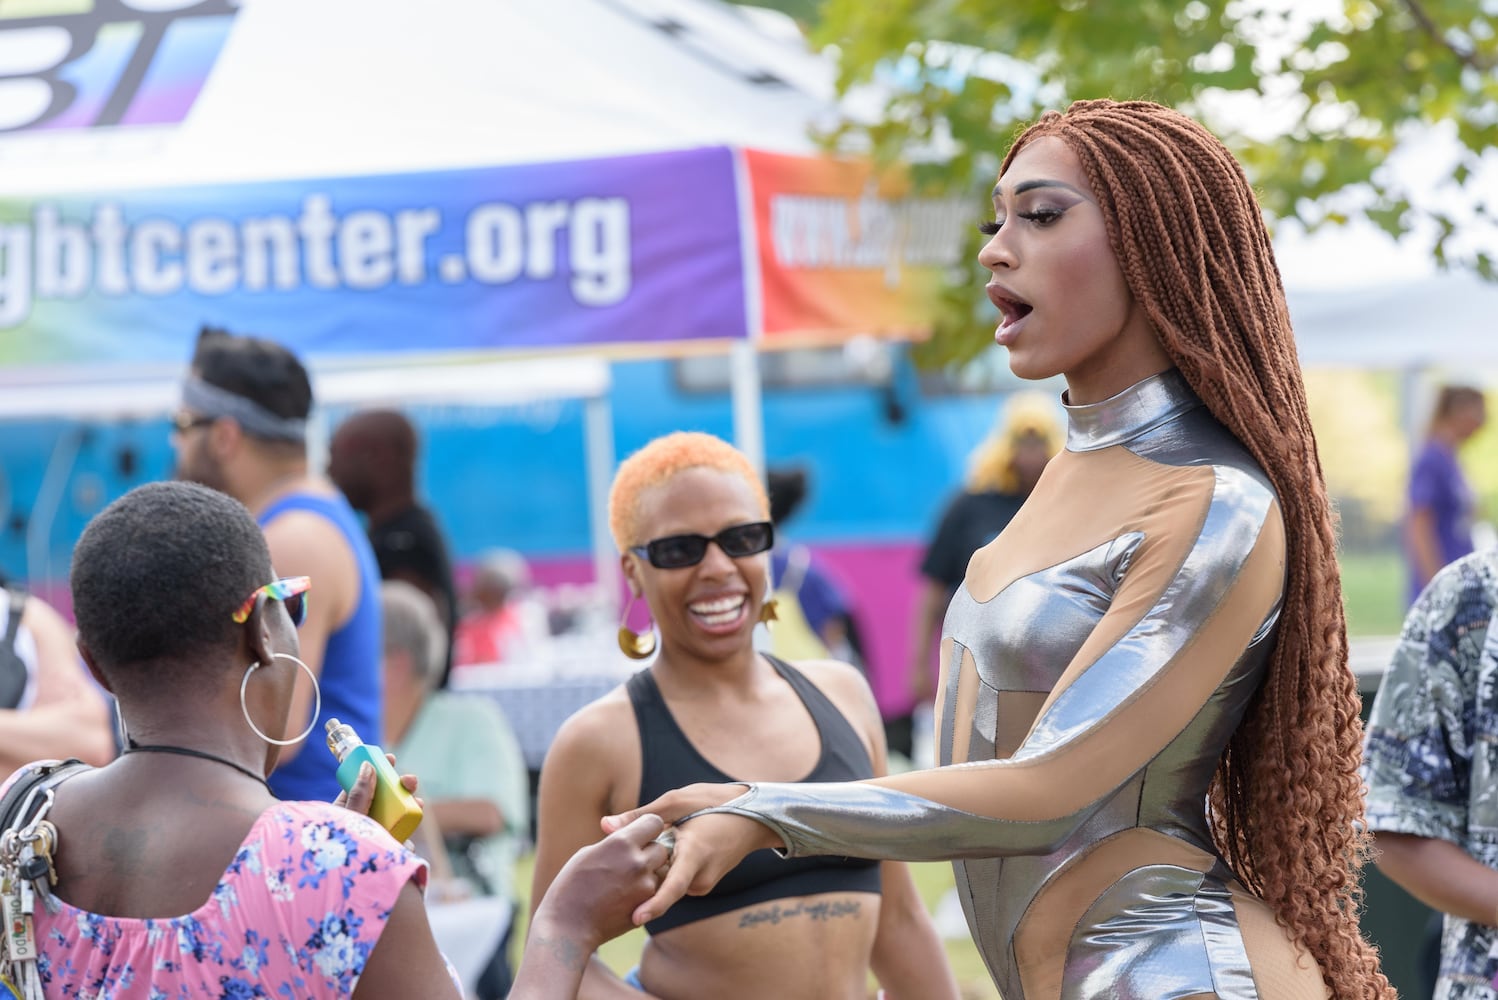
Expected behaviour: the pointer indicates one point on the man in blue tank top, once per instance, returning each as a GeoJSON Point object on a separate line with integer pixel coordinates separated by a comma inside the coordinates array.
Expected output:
{"type": "Point", "coordinates": [241, 429]}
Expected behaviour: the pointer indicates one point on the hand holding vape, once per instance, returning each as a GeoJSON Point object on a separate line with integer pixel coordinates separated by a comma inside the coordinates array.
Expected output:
{"type": "Point", "coordinates": [394, 808]}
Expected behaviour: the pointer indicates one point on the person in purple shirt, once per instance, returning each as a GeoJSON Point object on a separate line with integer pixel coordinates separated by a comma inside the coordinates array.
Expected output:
{"type": "Point", "coordinates": [1438, 527]}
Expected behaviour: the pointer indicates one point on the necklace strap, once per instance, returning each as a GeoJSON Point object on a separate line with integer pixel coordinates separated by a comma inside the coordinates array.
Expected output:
{"type": "Point", "coordinates": [133, 747]}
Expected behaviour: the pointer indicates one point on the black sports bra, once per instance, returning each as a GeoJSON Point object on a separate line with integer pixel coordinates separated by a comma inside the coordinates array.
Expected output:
{"type": "Point", "coordinates": [669, 760]}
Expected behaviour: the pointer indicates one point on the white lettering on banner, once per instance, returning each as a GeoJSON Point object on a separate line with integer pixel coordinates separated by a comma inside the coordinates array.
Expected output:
{"type": "Point", "coordinates": [62, 256]}
{"type": "Point", "coordinates": [413, 228]}
{"type": "Point", "coordinates": [109, 241]}
{"type": "Point", "coordinates": [316, 227]}
{"type": "Point", "coordinates": [496, 249]}
{"type": "Point", "coordinates": [15, 273]}
{"type": "Point", "coordinates": [586, 242]}
{"type": "Point", "coordinates": [599, 240]}
{"type": "Point", "coordinates": [155, 257]}
{"type": "Point", "coordinates": [267, 241]}
{"type": "Point", "coordinates": [212, 256]}
{"type": "Point", "coordinates": [366, 248]}
{"type": "Point", "coordinates": [810, 232]}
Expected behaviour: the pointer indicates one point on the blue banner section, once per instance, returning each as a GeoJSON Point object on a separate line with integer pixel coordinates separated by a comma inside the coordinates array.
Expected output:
{"type": "Point", "coordinates": [608, 251]}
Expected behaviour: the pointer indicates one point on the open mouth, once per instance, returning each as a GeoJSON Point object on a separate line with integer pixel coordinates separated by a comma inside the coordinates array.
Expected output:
{"type": "Point", "coordinates": [1013, 307]}
{"type": "Point", "coordinates": [719, 613]}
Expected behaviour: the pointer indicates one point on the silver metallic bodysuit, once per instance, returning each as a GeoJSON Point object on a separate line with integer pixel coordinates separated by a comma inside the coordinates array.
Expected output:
{"type": "Point", "coordinates": [1095, 662]}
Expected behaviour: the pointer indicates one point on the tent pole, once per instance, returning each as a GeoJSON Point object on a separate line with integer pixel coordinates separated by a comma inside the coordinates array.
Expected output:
{"type": "Point", "coordinates": [748, 412]}
{"type": "Point", "coordinates": [598, 447]}
{"type": "Point", "coordinates": [743, 356]}
{"type": "Point", "coordinates": [49, 497]}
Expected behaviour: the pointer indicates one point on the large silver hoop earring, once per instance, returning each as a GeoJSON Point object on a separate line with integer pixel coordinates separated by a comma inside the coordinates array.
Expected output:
{"type": "Point", "coordinates": [121, 731]}
{"type": "Point", "coordinates": [316, 707]}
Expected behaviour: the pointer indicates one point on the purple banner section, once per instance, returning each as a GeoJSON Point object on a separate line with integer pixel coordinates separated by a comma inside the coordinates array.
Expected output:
{"type": "Point", "coordinates": [635, 249]}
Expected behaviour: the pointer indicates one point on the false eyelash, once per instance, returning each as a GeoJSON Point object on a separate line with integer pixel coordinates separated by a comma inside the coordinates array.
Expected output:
{"type": "Point", "coordinates": [988, 228]}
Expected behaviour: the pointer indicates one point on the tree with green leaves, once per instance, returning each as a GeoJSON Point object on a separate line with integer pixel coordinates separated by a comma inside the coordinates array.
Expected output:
{"type": "Point", "coordinates": [1313, 97]}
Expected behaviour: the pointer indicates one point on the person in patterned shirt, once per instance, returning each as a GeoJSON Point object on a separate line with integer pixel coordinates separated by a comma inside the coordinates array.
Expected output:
{"type": "Point", "coordinates": [1431, 764]}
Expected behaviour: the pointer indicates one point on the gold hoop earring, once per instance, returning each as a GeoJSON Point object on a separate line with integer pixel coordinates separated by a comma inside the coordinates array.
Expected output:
{"type": "Point", "coordinates": [635, 645]}
{"type": "Point", "coordinates": [767, 611]}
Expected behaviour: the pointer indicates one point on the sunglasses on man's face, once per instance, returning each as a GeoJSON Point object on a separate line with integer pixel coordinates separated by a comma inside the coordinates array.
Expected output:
{"type": "Point", "coordinates": [681, 551]}
{"type": "Point", "coordinates": [291, 591]}
{"type": "Point", "coordinates": [184, 422]}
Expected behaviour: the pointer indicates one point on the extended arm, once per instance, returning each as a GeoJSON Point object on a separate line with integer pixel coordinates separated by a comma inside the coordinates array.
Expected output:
{"type": "Point", "coordinates": [1424, 546]}
{"type": "Point", "coordinates": [1422, 759]}
{"type": "Point", "coordinates": [588, 903]}
{"type": "Point", "coordinates": [576, 782]}
{"type": "Point", "coordinates": [1441, 875]}
{"type": "Point", "coordinates": [1176, 626]}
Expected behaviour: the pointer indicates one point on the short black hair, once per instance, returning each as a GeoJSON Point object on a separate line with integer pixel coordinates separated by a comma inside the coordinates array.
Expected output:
{"type": "Point", "coordinates": [787, 488]}
{"type": "Point", "coordinates": [159, 573]}
{"type": "Point", "coordinates": [259, 370]}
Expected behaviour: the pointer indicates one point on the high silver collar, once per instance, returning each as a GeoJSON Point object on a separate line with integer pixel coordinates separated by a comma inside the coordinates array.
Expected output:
{"type": "Point", "coordinates": [1141, 407]}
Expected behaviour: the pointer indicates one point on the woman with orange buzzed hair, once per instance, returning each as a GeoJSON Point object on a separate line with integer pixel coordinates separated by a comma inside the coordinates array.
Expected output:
{"type": "Point", "coordinates": [691, 521]}
{"type": "Point", "coordinates": [1148, 730]}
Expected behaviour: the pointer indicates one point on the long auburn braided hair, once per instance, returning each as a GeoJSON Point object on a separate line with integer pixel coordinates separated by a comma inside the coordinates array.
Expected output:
{"type": "Point", "coordinates": [1286, 801]}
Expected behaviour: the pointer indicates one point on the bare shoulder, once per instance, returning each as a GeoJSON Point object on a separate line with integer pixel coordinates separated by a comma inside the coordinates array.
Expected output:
{"type": "Point", "coordinates": [596, 734]}
{"type": "Point", "coordinates": [293, 528]}
{"type": "Point", "coordinates": [305, 543]}
{"type": "Point", "coordinates": [845, 685]}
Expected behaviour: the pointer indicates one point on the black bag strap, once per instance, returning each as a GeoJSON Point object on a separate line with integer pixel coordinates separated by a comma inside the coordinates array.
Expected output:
{"type": "Point", "coordinates": [25, 793]}
{"type": "Point", "coordinates": [17, 605]}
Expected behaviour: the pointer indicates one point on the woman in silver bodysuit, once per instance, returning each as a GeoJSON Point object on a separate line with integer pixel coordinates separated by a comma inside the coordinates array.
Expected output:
{"type": "Point", "coordinates": [1148, 733]}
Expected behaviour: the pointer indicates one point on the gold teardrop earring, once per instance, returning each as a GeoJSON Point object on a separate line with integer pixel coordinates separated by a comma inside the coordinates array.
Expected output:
{"type": "Point", "coordinates": [635, 645]}
{"type": "Point", "coordinates": [767, 611]}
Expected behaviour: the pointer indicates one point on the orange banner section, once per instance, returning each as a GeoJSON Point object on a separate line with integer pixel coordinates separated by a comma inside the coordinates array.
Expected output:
{"type": "Point", "coordinates": [843, 252]}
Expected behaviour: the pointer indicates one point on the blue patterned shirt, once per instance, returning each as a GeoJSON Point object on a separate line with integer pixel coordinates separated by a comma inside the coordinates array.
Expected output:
{"type": "Point", "coordinates": [1431, 756]}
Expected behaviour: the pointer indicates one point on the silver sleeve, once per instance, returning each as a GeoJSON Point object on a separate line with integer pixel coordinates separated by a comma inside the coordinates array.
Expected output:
{"type": "Point", "coordinates": [858, 820]}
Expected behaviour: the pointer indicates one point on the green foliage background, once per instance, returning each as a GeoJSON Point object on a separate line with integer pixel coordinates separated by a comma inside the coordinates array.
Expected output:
{"type": "Point", "coordinates": [1341, 84]}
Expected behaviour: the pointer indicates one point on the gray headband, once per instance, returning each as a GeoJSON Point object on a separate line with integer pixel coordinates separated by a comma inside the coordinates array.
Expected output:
{"type": "Point", "coordinates": [211, 401]}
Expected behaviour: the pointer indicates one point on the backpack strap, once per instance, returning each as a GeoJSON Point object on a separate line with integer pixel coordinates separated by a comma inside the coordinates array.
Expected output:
{"type": "Point", "coordinates": [33, 782]}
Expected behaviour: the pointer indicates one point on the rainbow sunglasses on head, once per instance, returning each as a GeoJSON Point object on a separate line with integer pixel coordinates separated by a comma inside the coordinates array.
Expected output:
{"type": "Point", "coordinates": [290, 591]}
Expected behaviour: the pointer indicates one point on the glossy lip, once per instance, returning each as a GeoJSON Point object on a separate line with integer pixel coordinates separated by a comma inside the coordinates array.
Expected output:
{"type": "Point", "coordinates": [1006, 302]}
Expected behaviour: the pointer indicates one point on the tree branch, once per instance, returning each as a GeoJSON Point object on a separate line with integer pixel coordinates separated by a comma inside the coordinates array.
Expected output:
{"type": "Point", "coordinates": [1466, 57]}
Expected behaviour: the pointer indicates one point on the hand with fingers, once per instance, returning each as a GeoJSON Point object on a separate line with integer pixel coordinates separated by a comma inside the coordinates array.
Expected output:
{"type": "Point", "coordinates": [591, 900]}
{"type": "Point", "coordinates": [361, 797]}
{"type": "Point", "coordinates": [704, 850]}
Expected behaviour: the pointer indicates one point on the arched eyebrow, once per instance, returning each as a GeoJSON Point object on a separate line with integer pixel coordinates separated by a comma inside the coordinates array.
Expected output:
{"type": "Point", "coordinates": [1039, 182]}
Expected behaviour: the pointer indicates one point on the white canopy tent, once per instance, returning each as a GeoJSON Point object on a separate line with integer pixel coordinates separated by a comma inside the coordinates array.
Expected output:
{"type": "Point", "coordinates": [350, 87]}
{"type": "Point", "coordinates": [340, 88]}
{"type": "Point", "coordinates": [1441, 321]}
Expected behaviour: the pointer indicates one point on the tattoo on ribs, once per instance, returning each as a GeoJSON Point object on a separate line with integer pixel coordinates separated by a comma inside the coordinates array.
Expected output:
{"type": "Point", "coordinates": [823, 910]}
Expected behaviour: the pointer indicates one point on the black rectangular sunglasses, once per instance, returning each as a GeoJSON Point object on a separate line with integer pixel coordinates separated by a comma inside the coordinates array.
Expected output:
{"type": "Point", "coordinates": [681, 551]}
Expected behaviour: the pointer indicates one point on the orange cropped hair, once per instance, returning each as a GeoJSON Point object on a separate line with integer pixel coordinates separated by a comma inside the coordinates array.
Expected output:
{"type": "Point", "coordinates": [1287, 800]}
{"type": "Point", "coordinates": [663, 458]}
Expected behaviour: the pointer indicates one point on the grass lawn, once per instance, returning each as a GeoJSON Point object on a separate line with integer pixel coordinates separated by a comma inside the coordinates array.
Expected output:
{"type": "Point", "coordinates": [1373, 585]}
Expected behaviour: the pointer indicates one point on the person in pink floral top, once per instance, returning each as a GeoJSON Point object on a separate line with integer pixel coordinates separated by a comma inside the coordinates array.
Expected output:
{"type": "Point", "coordinates": [179, 874]}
